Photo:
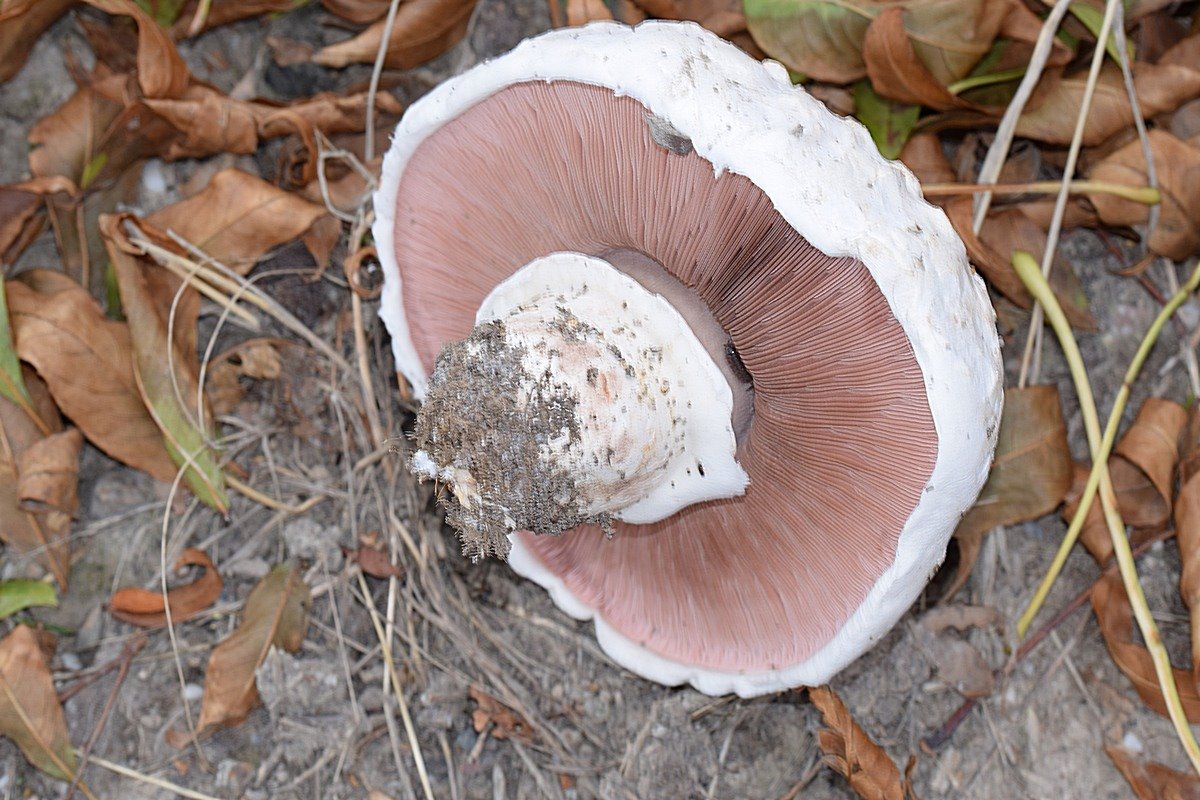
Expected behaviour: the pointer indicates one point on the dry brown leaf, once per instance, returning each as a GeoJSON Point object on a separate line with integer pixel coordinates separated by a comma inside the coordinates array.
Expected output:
{"type": "Point", "coordinates": [1007, 230]}
{"type": "Point", "coordinates": [895, 69]}
{"type": "Point", "coordinates": [1177, 235]}
{"type": "Point", "coordinates": [923, 154]}
{"type": "Point", "coordinates": [147, 609]}
{"type": "Point", "coordinates": [1115, 617]}
{"type": "Point", "coordinates": [45, 534]}
{"type": "Point", "coordinates": [30, 713]}
{"type": "Point", "coordinates": [21, 219]}
{"type": "Point", "coordinates": [581, 12]}
{"type": "Point", "coordinates": [998, 270]}
{"type": "Point", "coordinates": [1187, 532]}
{"type": "Point", "coordinates": [1152, 781]}
{"type": "Point", "coordinates": [253, 358]}
{"type": "Point", "coordinates": [722, 17]}
{"type": "Point", "coordinates": [961, 667]}
{"type": "Point", "coordinates": [505, 722]}
{"type": "Point", "coordinates": [276, 615]}
{"type": "Point", "coordinates": [49, 474]}
{"type": "Point", "coordinates": [223, 12]}
{"type": "Point", "coordinates": [960, 617]}
{"type": "Point", "coordinates": [87, 361]}
{"type": "Point", "coordinates": [1054, 107]}
{"type": "Point", "coordinates": [160, 70]}
{"type": "Point", "coordinates": [360, 12]}
{"type": "Point", "coordinates": [21, 23]}
{"type": "Point", "coordinates": [1142, 469]}
{"type": "Point", "coordinates": [206, 122]}
{"type": "Point", "coordinates": [423, 29]}
{"type": "Point", "coordinates": [374, 562]}
{"type": "Point", "coordinates": [1030, 474]}
{"type": "Point", "coordinates": [238, 218]}
{"type": "Point", "coordinates": [161, 314]}
{"type": "Point", "coordinates": [849, 750]}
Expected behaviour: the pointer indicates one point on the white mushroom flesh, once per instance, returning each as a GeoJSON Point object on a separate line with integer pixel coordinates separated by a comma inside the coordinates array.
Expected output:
{"type": "Point", "coordinates": [579, 397]}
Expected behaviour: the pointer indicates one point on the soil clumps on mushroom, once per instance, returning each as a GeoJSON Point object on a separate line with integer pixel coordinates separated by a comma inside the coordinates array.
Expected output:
{"type": "Point", "coordinates": [489, 422]}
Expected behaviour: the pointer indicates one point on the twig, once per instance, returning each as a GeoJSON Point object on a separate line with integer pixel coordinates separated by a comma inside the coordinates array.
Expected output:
{"type": "Point", "coordinates": [376, 71]}
{"type": "Point", "coordinates": [1138, 194]}
{"type": "Point", "coordinates": [1033, 337]}
{"type": "Point", "coordinates": [131, 649]}
{"type": "Point", "coordinates": [268, 501]}
{"type": "Point", "coordinates": [1027, 270]}
{"type": "Point", "coordinates": [385, 647]}
{"type": "Point", "coordinates": [150, 779]}
{"type": "Point", "coordinates": [938, 738]}
{"type": "Point", "coordinates": [993, 162]}
{"type": "Point", "coordinates": [1103, 448]}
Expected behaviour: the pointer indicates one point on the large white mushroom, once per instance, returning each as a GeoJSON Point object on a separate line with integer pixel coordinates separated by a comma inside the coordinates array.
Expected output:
{"type": "Point", "coordinates": [696, 324]}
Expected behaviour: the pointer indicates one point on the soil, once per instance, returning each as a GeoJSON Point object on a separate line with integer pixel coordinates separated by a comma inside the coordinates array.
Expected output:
{"type": "Point", "coordinates": [330, 727]}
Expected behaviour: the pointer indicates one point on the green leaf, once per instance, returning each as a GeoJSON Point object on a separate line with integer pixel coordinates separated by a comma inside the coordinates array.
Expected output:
{"type": "Point", "coordinates": [19, 594]}
{"type": "Point", "coordinates": [890, 123]}
{"type": "Point", "coordinates": [818, 38]}
{"type": "Point", "coordinates": [92, 169]}
{"type": "Point", "coordinates": [12, 385]}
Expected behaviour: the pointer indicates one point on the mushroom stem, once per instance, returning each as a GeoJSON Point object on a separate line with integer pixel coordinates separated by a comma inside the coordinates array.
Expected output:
{"type": "Point", "coordinates": [579, 397]}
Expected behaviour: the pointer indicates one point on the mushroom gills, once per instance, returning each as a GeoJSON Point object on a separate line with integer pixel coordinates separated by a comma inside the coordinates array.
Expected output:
{"type": "Point", "coordinates": [580, 396]}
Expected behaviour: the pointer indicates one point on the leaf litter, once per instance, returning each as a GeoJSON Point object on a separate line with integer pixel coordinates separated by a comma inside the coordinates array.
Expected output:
{"type": "Point", "coordinates": [917, 66]}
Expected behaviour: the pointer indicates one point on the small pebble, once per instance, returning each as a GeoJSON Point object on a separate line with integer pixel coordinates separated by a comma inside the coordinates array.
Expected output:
{"type": "Point", "coordinates": [192, 692]}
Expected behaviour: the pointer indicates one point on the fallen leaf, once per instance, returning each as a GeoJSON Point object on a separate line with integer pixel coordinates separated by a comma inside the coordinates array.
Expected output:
{"type": "Point", "coordinates": [505, 722]}
{"type": "Point", "coordinates": [852, 753]}
{"type": "Point", "coordinates": [19, 594]}
{"type": "Point", "coordinates": [822, 40]}
{"type": "Point", "coordinates": [826, 39]}
{"type": "Point", "coordinates": [1177, 163]}
{"type": "Point", "coordinates": [1187, 532]}
{"type": "Point", "coordinates": [961, 667]}
{"type": "Point", "coordinates": [223, 12]}
{"type": "Point", "coordinates": [1007, 230]}
{"type": "Point", "coordinates": [581, 12]}
{"type": "Point", "coordinates": [1030, 474]}
{"type": "Point", "coordinates": [1153, 781]}
{"type": "Point", "coordinates": [1115, 617]}
{"type": "Point", "coordinates": [276, 615]}
{"type": "Point", "coordinates": [898, 72]}
{"type": "Point", "coordinates": [21, 218]}
{"type": "Point", "coordinates": [888, 122]}
{"type": "Point", "coordinates": [49, 474]}
{"type": "Point", "coordinates": [162, 315]}
{"type": "Point", "coordinates": [30, 713]}
{"type": "Point", "coordinates": [254, 358]}
{"type": "Point", "coordinates": [147, 609]}
{"type": "Point", "coordinates": [160, 69]}
{"type": "Point", "coordinates": [959, 617]}
{"type": "Point", "coordinates": [87, 362]}
{"type": "Point", "coordinates": [723, 17]}
{"type": "Point", "coordinates": [1052, 111]}
{"type": "Point", "coordinates": [998, 270]}
{"type": "Point", "coordinates": [46, 535]}
{"type": "Point", "coordinates": [1142, 469]}
{"type": "Point", "coordinates": [21, 23]}
{"type": "Point", "coordinates": [238, 217]}
{"type": "Point", "coordinates": [374, 562]}
{"type": "Point", "coordinates": [923, 154]}
{"type": "Point", "coordinates": [360, 12]}
{"type": "Point", "coordinates": [423, 29]}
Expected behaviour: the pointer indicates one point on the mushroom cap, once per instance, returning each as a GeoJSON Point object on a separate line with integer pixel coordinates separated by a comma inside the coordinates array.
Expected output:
{"type": "Point", "coordinates": [870, 341]}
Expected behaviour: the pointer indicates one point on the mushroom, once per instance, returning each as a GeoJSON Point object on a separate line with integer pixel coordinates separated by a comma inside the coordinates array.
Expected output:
{"type": "Point", "coordinates": [697, 325]}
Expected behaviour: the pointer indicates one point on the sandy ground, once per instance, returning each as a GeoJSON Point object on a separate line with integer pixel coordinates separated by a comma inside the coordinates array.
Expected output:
{"type": "Point", "coordinates": [329, 728]}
